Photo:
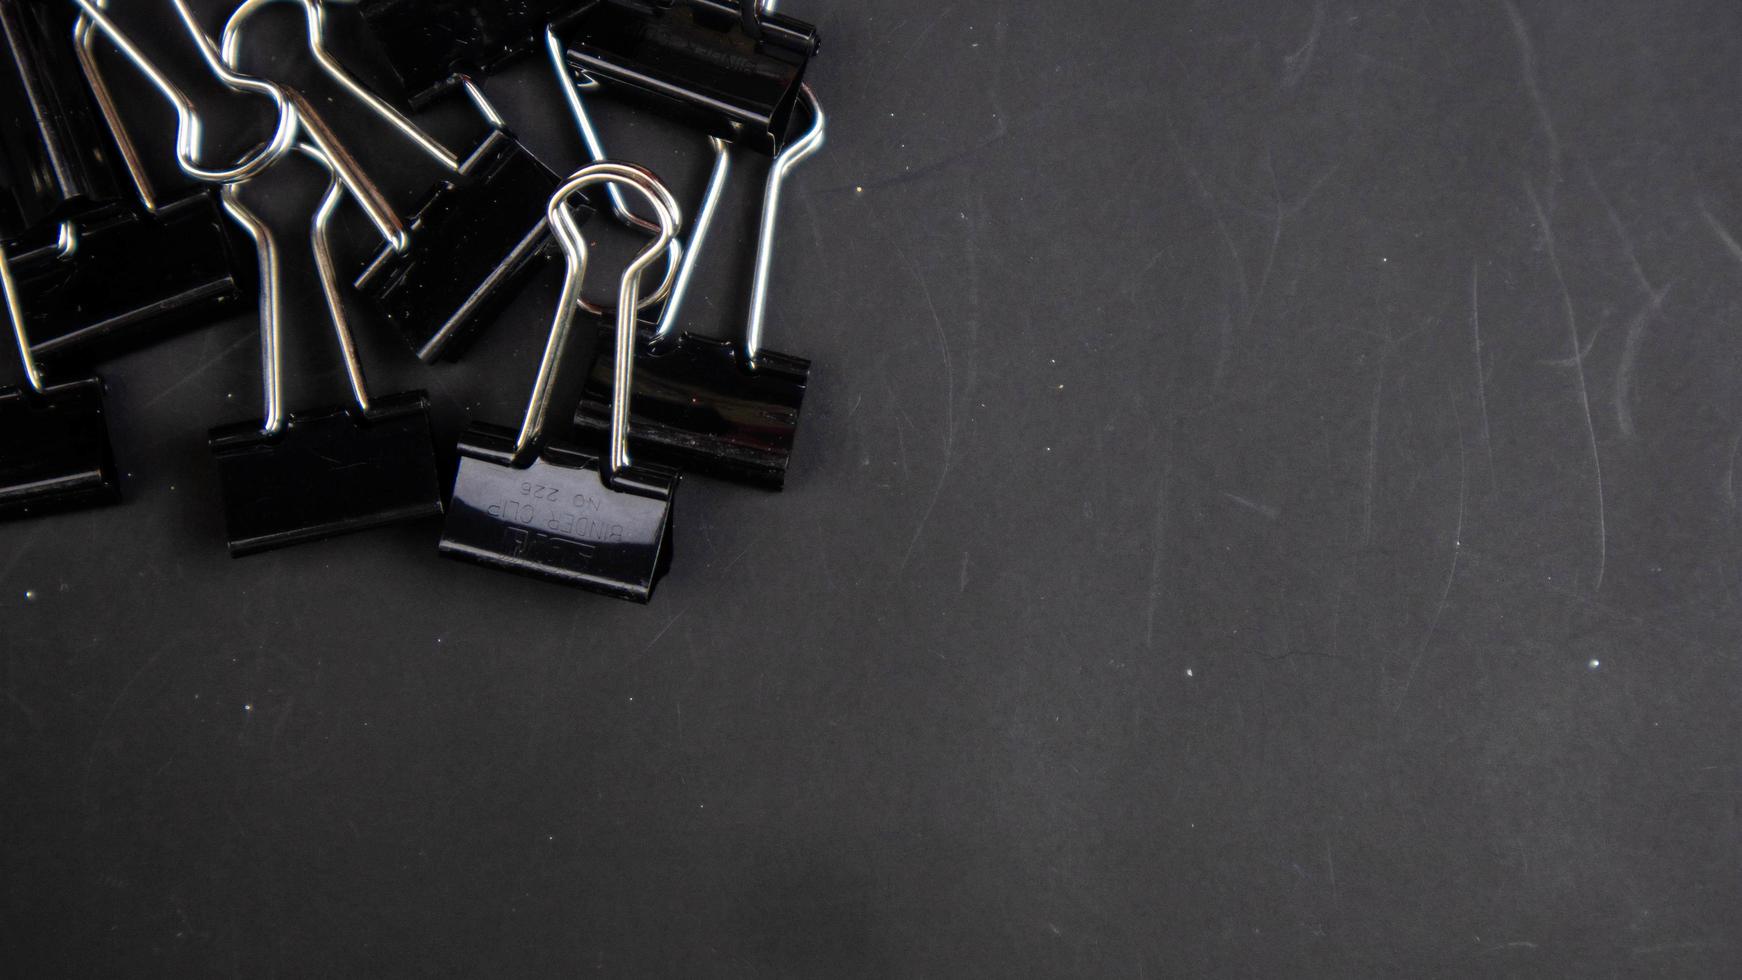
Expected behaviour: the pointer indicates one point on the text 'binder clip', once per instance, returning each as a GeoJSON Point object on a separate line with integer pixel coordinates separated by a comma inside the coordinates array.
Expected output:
{"type": "Point", "coordinates": [117, 272]}
{"type": "Point", "coordinates": [54, 440]}
{"type": "Point", "coordinates": [317, 474]}
{"type": "Point", "coordinates": [554, 511]}
{"type": "Point", "coordinates": [478, 232]}
{"type": "Point", "coordinates": [434, 44]}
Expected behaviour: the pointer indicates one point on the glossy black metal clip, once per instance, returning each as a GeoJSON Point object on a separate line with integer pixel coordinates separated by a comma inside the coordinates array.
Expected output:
{"type": "Point", "coordinates": [312, 475]}
{"type": "Point", "coordinates": [712, 406]}
{"type": "Point", "coordinates": [327, 473]}
{"type": "Point", "coordinates": [697, 407]}
{"type": "Point", "coordinates": [55, 157]}
{"type": "Point", "coordinates": [433, 44]}
{"type": "Point", "coordinates": [471, 243]}
{"type": "Point", "coordinates": [475, 235]}
{"type": "Point", "coordinates": [54, 440]}
{"type": "Point", "coordinates": [122, 277]}
{"type": "Point", "coordinates": [591, 520]}
{"type": "Point", "coordinates": [118, 275]}
{"type": "Point", "coordinates": [696, 61]}
{"type": "Point", "coordinates": [556, 517]}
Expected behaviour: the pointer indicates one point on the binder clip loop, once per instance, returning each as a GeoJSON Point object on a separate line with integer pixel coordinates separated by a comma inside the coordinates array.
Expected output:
{"type": "Point", "coordinates": [189, 127]}
{"type": "Point", "coordinates": [292, 478]}
{"type": "Point", "coordinates": [314, 13]}
{"type": "Point", "coordinates": [551, 510]}
{"type": "Point", "coordinates": [54, 441]}
{"type": "Point", "coordinates": [628, 302]}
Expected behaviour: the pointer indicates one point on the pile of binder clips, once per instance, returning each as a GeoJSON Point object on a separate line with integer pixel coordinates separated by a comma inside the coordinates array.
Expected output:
{"type": "Point", "coordinates": [97, 259]}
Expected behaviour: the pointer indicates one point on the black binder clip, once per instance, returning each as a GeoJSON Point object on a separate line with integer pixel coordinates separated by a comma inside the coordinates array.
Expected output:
{"type": "Point", "coordinates": [554, 511]}
{"type": "Point", "coordinates": [54, 441]}
{"type": "Point", "coordinates": [121, 278]}
{"type": "Point", "coordinates": [54, 159]}
{"type": "Point", "coordinates": [434, 44]}
{"type": "Point", "coordinates": [476, 235]}
{"type": "Point", "coordinates": [705, 404]}
{"type": "Point", "coordinates": [729, 67]}
{"type": "Point", "coordinates": [122, 272]}
{"type": "Point", "coordinates": [289, 479]}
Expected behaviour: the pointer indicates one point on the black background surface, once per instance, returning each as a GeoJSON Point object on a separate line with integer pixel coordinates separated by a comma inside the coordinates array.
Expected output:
{"type": "Point", "coordinates": [1266, 505]}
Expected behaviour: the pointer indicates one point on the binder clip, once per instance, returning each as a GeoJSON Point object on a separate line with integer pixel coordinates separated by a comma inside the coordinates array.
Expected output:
{"type": "Point", "coordinates": [434, 44]}
{"type": "Point", "coordinates": [54, 160]}
{"type": "Point", "coordinates": [731, 68]}
{"type": "Point", "coordinates": [441, 274]}
{"type": "Point", "coordinates": [705, 404]}
{"type": "Point", "coordinates": [123, 272]}
{"type": "Point", "coordinates": [289, 479]}
{"type": "Point", "coordinates": [555, 511]}
{"type": "Point", "coordinates": [121, 278]}
{"type": "Point", "coordinates": [54, 441]}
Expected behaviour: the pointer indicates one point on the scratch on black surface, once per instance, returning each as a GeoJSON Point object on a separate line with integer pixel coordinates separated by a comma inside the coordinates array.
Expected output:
{"type": "Point", "coordinates": [1481, 372]}
{"type": "Point", "coordinates": [1723, 233]}
{"type": "Point", "coordinates": [1295, 65]}
{"type": "Point", "coordinates": [1671, 948]}
{"type": "Point", "coordinates": [1215, 215]}
{"type": "Point", "coordinates": [1620, 232]}
{"type": "Point", "coordinates": [24, 546]}
{"type": "Point", "coordinates": [1257, 298]}
{"type": "Point", "coordinates": [667, 628]}
{"type": "Point", "coordinates": [103, 725]}
{"type": "Point", "coordinates": [1373, 443]}
{"type": "Point", "coordinates": [1270, 512]}
{"type": "Point", "coordinates": [1630, 358]}
{"type": "Point", "coordinates": [1521, 944]}
{"type": "Point", "coordinates": [1554, 262]}
{"type": "Point", "coordinates": [823, 555]}
{"type": "Point", "coordinates": [912, 173]}
{"type": "Point", "coordinates": [949, 408]}
{"type": "Point", "coordinates": [1158, 549]}
{"type": "Point", "coordinates": [1533, 89]}
{"type": "Point", "coordinates": [1497, 567]}
{"type": "Point", "coordinates": [1730, 477]}
{"type": "Point", "coordinates": [200, 369]}
{"type": "Point", "coordinates": [901, 441]}
{"type": "Point", "coordinates": [1433, 624]}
